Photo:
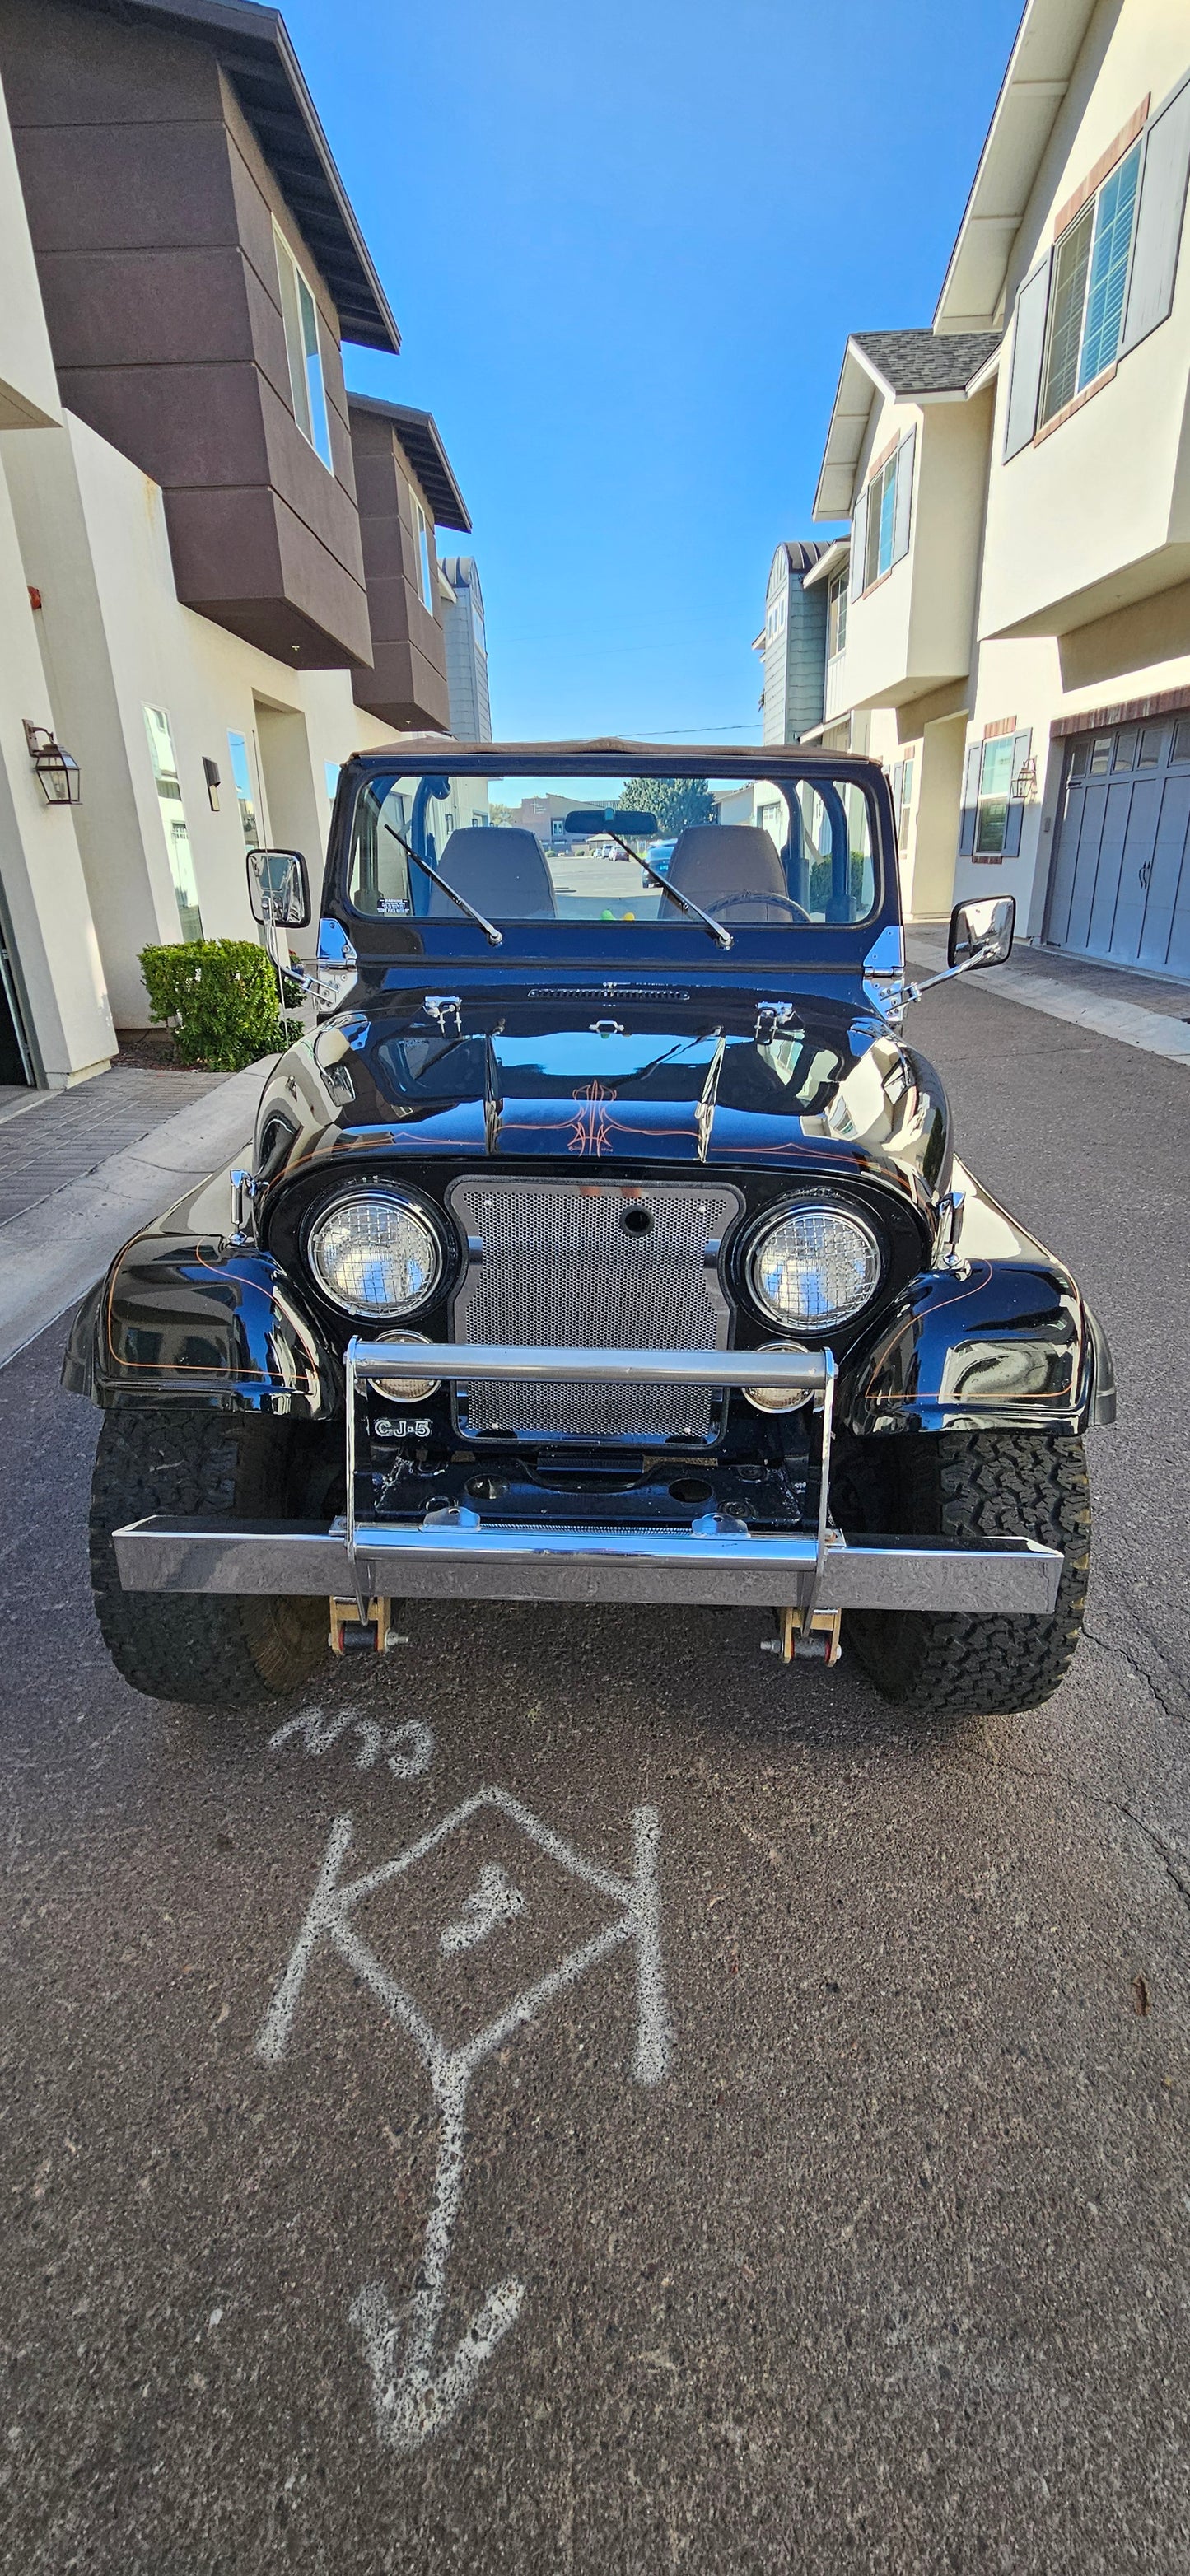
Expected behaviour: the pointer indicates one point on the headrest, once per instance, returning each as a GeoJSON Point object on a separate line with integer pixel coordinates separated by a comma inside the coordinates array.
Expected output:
{"type": "Point", "coordinates": [500, 869]}
{"type": "Point", "coordinates": [714, 860]}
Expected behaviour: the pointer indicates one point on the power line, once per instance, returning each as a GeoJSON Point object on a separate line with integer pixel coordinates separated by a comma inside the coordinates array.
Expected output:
{"type": "Point", "coordinates": [671, 733]}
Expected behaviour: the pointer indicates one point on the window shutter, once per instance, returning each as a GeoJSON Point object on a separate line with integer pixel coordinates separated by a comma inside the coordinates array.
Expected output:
{"type": "Point", "coordinates": [859, 543]}
{"type": "Point", "coordinates": [903, 504]}
{"type": "Point", "coordinates": [1158, 220]}
{"type": "Point", "coordinates": [1022, 744]}
{"type": "Point", "coordinates": [1028, 344]}
{"type": "Point", "coordinates": [970, 800]}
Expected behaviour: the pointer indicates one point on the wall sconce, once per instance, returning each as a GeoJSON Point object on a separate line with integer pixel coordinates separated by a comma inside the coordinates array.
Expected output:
{"type": "Point", "coordinates": [210, 771]}
{"type": "Point", "coordinates": [57, 773]}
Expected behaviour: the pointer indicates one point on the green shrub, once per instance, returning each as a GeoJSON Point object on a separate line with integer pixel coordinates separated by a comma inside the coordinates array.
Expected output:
{"type": "Point", "coordinates": [220, 998]}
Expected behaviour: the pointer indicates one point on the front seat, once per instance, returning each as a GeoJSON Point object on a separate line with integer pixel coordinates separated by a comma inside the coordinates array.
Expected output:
{"type": "Point", "coordinates": [732, 866]}
{"type": "Point", "coordinates": [500, 869]}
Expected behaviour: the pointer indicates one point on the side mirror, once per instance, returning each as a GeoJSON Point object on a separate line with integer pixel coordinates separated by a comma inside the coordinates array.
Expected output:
{"type": "Point", "coordinates": [981, 931]}
{"type": "Point", "coordinates": [279, 889]}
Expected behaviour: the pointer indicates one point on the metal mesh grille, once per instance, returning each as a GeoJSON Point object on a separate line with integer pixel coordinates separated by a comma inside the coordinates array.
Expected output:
{"type": "Point", "coordinates": [558, 1265]}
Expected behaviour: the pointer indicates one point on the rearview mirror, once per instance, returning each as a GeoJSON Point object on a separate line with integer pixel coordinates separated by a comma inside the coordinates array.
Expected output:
{"type": "Point", "coordinates": [981, 931]}
{"type": "Point", "coordinates": [279, 889]}
{"type": "Point", "coordinates": [602, 818]}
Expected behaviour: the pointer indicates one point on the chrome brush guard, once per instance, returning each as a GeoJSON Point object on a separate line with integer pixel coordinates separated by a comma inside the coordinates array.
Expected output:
{"type": "Point", "coordinates": [716, 1560]}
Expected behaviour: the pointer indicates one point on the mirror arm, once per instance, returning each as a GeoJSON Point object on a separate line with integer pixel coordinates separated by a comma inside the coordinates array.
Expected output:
{"type": "Point", "coordinates": [913, 992]}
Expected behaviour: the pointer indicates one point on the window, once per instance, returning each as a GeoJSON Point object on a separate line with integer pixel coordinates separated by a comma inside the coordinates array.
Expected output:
{"type": "Point", "coordinates": [173, 820]}
{"type": "Point", "coordinates": [997, 779]}
{"type": "Point", "coordinates": [241, 771]}
{"type": "Point", "coordinates": [880, 530]}
{"type": "Point", "coordinates": [902, 794]}
{"type": "Point", "coordinates": [304, 352]}
{"type": "Point", "coordinates": [995, 787]}
{"type": "Point", "coordinates": [836, 614]}
{"type": "Point", "coordinates": [1087, 294]}
{"type": "Point", "coordinates": [330, 771]}
{"type": "Point", "coordinates": [882, 500]}
{"type": "Point", "coordinates": [421, 551]}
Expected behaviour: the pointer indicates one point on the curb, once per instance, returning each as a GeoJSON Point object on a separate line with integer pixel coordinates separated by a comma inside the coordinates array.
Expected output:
{"type": "Point", "coordinates": [52, 1253]}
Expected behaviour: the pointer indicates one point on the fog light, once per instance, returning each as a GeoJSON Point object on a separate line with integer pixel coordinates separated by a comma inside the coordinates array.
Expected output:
{"type": "Point", "coordinates": [405, 1390]}
{"type": "Point", "coordinates": [778, 1399]}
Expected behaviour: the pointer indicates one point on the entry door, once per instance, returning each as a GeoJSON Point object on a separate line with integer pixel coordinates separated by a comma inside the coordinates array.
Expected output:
{"type": "Point", "coordinates": [1121, 880]}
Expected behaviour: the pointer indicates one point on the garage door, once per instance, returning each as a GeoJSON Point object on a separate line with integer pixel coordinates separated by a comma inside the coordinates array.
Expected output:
{"type": "Point", "coordinates": [1121, 878]}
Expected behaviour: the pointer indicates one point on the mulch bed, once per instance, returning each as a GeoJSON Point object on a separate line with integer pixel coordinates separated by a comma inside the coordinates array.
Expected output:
{"type": "Point", "coordinates": [149, 1051]}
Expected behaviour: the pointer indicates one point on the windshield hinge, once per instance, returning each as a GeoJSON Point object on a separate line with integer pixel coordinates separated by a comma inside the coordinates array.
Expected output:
{"type": "Point", "coordinates": [445, 1007]}
{"type": "Point", "coordinates": [771, 1016]}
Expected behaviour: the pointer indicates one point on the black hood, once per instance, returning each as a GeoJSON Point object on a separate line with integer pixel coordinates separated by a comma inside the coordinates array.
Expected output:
{"type": "Point", "coordinates": [596, 1074]}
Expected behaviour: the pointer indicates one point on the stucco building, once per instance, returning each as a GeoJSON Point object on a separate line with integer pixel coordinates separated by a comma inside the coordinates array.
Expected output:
{"type": "Point", "coordinates": [217, 571]}
{"type": "Point", "coordinates": [1016, 480]}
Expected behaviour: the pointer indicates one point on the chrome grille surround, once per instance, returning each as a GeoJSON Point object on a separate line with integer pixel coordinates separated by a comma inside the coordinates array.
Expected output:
{"type": "Point", "coordinates": [550, 1259]}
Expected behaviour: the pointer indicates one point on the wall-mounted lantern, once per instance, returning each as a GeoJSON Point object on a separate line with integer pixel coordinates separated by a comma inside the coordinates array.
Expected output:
{"type": "Point", "coordinates": [57, 773]}
{"type": "Point", "coordinates": [210, 771]}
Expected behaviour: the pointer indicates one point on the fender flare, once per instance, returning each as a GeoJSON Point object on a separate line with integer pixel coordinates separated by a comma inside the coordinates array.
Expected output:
{"type": "Point", "coordinates": [196, 1320]}
{"type": "Point", "coordinates": [996, 1346]}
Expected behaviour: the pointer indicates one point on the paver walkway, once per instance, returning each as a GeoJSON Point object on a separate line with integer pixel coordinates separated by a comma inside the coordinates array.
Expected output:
{"type": "Point", "coordinates": [49, 1138]}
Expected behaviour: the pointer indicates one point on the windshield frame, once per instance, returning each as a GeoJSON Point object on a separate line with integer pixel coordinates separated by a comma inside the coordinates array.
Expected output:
{"type": "Point", "coordinates": [674, 942]}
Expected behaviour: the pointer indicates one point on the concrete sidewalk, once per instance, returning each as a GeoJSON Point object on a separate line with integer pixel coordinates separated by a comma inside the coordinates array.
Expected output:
{"type": "Point", "coordinates": [69, 1203]}
{"type": "Point", "coordinates": [1139, 1010]}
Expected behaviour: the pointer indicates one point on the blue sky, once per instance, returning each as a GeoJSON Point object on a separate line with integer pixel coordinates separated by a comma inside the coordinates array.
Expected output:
{"type": "Point", "coordinates": [625, 241]}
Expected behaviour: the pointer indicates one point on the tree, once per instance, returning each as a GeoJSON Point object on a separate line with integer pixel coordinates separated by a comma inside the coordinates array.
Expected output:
{"type": "Point", "coordinates": [676, 802]}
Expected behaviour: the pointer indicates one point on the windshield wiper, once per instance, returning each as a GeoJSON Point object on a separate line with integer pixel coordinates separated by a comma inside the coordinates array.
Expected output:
{"type": "Point", "coordinates": [488, 927]}
{"type": "Point", "coordinates": [687, 902]}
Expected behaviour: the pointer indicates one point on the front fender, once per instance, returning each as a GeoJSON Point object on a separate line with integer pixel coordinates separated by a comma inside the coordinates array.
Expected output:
{"type": "Point", "coordinates": [1001, 1345]}
{"type": "Point", "coordinates": [199, 1320]}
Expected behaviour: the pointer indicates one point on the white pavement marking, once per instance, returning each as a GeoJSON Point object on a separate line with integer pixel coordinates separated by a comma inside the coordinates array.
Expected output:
{"type": "Point", "coordinates": [318, 1733]}
{"type": "Point", "coordinates": [493, 1902]}
{"type": "Point", "coordinates": [413, 2398]}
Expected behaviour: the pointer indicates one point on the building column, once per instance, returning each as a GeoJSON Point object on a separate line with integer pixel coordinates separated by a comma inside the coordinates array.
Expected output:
{"type": "Point", "coordinates": [929, 895]}
{"type": "Point", "coordinates": [48, 925]}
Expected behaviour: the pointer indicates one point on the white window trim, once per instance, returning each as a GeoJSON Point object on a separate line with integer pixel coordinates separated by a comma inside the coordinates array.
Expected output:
{"type": "Point", "coordinates": [307, 397]}
{"type": "Point", "coordinates": [423, 553]}
{"type": "Point", "coordinates": [1088, 214]}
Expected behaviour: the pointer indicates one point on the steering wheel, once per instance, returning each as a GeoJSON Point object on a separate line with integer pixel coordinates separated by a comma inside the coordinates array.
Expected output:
{"type": "Point", "coordinates": [759, 894]}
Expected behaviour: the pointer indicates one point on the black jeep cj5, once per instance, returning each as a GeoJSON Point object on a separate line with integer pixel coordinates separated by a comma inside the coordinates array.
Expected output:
{"type": "Point", "coordinates": [605, 1241]}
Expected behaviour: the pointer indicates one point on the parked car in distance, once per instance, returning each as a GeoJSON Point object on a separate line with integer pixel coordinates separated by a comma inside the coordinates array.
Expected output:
{"type": "Point", "coordinates": [598, 1254]}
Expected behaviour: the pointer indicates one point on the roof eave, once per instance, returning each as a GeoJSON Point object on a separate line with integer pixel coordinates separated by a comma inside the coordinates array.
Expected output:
{"type": "Point", "coordinates": [1046, 48]}
{"type": "Point", "coordinates": [257, 33]}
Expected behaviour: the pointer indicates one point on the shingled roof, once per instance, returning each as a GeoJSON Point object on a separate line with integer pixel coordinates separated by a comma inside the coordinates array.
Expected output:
{"type": "Point", "coordinates": [927, 362]}
{"type": "Point", "coordinates": [906, 366]}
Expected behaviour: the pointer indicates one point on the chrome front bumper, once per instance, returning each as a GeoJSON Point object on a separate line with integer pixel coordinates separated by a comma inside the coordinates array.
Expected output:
{"type": "Point", "coordinates": [715, 1560]}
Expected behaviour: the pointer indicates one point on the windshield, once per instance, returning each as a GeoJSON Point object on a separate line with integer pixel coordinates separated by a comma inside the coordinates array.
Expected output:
{"type": "Point", "coordinates": [682, 852]}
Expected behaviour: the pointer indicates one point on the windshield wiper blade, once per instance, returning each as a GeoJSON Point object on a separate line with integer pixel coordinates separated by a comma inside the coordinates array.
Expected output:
{"type": "Point", "coordinates": [687, 901]}
{"type": "Point", "coordinates": [488, 928]}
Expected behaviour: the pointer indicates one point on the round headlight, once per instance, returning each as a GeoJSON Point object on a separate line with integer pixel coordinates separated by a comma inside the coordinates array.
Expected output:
{"type": "Point", "coordinates": [814, 1267]}
{"type": "Point", "coordinates": [375, 1255]}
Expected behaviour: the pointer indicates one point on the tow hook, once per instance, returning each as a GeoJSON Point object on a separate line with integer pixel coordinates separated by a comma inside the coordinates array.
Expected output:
{"type": "Point", "coordinates": [804, 1635]}
{"type": "Point", "coordinates": [372, 1635]}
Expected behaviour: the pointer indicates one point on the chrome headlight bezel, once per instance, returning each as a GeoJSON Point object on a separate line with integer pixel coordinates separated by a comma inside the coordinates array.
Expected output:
{"type": "Point", "coordinates": [410, 1204]}
{"type": "Point", "coordinates": [813, 1203]}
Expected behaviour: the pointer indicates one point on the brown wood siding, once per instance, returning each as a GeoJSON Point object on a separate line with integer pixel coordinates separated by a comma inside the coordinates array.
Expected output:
{"type": "Point", "coordinates": [151, 208]}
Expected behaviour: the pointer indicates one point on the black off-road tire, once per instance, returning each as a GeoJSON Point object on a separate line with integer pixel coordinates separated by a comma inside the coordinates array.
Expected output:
{"type": "Point", "coordinates": [207, 1650]}
{"type": "Point", "coordinates": [966, 1486]}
